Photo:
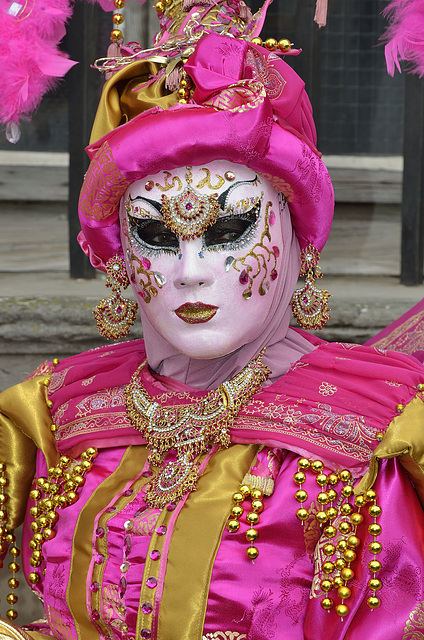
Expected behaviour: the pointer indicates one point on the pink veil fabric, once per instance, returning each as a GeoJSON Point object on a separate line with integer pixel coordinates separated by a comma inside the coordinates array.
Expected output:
{"type": "Point", "coordinates": [284, 345]}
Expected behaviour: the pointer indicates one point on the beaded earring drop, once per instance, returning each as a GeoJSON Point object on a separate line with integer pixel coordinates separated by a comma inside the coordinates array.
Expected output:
{"type": "Point", "coordinates": [115, 314]}
{"type": "Point", "coordinates": [310, 304]}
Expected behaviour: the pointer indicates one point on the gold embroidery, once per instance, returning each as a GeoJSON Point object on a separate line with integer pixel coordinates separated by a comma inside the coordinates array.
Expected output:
{"type": "Point", "coordinates": [414, 627]}
{"type": "Point", "coordinates": [112, 606]}
{"type": "Point", "coordinates": [239, 97]}
{"type": "Point", "coordinates": [104, 186]}
{"type": "Point", "coordinates": [327, 389]}
{"type": "Point", "coordinates": [407, 337]}
{"type": "Point", "coordinates": [225, 635]}
{"type": "Point", "coordinates": [280, 185]}
{"type": "Point", "coordinates": [272, 80]}
{"type": "Point", "coordinates": [308, 424]}
{"type": "Point", "coordinates": [206, 181]}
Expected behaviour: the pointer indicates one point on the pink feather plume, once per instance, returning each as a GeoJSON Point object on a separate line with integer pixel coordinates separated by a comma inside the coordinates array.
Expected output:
{"type": "Point", "coordinates": [405, 35]}
{"type": "Point", "coordinates": [30, 61]}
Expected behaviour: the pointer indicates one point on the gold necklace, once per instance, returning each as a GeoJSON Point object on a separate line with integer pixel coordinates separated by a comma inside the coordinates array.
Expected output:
{"type": "Point", "coordinates": [188, 430]}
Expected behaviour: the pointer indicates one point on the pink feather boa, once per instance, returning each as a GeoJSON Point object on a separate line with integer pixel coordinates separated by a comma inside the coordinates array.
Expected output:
{"type": "Point", "coordinates": [405, 35]}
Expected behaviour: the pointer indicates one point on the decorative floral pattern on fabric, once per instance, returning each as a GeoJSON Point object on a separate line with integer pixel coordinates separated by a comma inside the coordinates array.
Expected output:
{"type": "Point", "coordinates": [43, 369]}
{"type": "Point", "coordinates": [414, 628]}
{"type": "Point", "coordinates": [113, 397]}
{"type": "Point", "coordinates": [102, 182]}
{"type": "Point", "coordinates": [298, 418]}
{"type": "Point", "coordinates": [263, 70]}
{"type": "Point", "coordinates": [240, 96]}
{"type": "Point", "coordinates": [280, 185]}
{"type": "Point", "coordinates": [407, 338]}
{"type": "Point", "coordinates": [225, 635]}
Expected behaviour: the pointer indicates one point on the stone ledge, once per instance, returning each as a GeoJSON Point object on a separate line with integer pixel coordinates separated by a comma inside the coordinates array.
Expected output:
{"type": "Point", "coordinates": [63, 325]}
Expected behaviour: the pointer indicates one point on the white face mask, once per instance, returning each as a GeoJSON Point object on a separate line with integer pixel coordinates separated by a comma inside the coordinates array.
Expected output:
{"type": "Point", "coordinates": [203, 247]}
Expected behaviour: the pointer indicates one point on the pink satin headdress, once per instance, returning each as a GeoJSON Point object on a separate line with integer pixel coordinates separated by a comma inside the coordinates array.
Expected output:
{"type": "Point", "coordinates": [248, 106]}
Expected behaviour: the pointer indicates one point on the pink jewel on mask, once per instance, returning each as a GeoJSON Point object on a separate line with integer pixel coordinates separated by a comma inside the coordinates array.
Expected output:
{"type": "Point", "coordinates": [274, 274]}
{"type": "Point", "coordinates": [271, 217]}
{"type": "Point", "coordinates": [276, 251]}
{"type": "Point", "coordinates": [146, 264]}
{"type": "Point", "coordinates": [244, 278]}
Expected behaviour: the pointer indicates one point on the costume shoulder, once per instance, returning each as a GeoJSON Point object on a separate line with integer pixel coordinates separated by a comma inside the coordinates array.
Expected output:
{"type": "Point", "coordinates": [55, 391]}
{"type": "Point", "coordinates": [25, 422]}
{"type": "Point", "coordinates": [86, 392]}
{"type": "Point", "coordinates": [384, 389]}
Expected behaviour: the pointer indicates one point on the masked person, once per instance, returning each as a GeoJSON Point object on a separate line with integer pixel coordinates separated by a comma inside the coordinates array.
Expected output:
{"type": "Point", "coordinates": [229, 476]}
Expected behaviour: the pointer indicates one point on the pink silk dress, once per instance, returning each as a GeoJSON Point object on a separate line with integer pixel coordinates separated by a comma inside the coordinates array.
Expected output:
{"type": "Point", "coordinates": [116, 569]}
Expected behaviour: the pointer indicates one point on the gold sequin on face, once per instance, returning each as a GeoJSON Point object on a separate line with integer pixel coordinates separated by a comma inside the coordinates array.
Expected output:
{"type": "Point", "coordinates": [230, 176]}
{"type": "Point", "coordinates": [264, 262]}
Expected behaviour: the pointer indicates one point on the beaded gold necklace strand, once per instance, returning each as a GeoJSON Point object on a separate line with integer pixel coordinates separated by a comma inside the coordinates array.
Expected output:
{"type": "Point", "coordinates": [188, 430]}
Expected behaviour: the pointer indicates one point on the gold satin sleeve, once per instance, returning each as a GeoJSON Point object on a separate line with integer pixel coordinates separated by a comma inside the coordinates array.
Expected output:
{"type": "Point", "coordinates": [404, 438]}
{"type": "Point", "coordinates": [24, 427]}
{"type": "Point", "coordinates": [10, 632]}
{"type": "Point", "coordinates": [125, 95]}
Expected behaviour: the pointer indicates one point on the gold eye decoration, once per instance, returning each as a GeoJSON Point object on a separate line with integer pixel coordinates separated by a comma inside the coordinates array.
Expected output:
{"type": "Point", "coordinates": [263, 262]}
{"type": "Point", "coordinates": [149, 280]}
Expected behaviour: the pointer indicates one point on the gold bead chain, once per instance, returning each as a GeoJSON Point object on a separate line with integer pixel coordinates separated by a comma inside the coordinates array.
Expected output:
{"type": "Point", "coordinates": [340, 529]}
{"type": "Point", "coordinates": [8, 538]}
{"type": "Point", "coordinates": [57, 491]}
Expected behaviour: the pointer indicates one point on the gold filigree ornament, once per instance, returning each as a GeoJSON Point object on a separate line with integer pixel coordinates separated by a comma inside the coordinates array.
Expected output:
{"type": "Point", "coordinates": [310, 304]}
{"type": "Point", "coordinates": [188, 430]}
{"type": "Point", "coordinates": [115, 314]}
{"type": "Point", "coordinates": [190, 213]}
{"type": "Point", "coordinates": [264, 259]}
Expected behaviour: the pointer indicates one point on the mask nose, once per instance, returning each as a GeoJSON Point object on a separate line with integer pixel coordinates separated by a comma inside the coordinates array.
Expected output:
{"type": "Point", "coordinates": [193, 269]}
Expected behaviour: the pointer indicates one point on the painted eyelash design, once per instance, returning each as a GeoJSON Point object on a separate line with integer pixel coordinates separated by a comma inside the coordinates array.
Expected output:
{"type": "Point", "coordinates": [252, 216]}
{"type": "Point", "coordinates": [144, 248]}
{"type": "Point", "coordinates": [245, 239]}
{"type": "Point", "coordinates": [223, 198]}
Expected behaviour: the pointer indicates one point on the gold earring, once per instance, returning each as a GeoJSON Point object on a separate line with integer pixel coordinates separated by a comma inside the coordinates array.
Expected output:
{"type": "Point", "coordinates": [115, 314]}
{"type": "Point", "coordinates": [310, 304]}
